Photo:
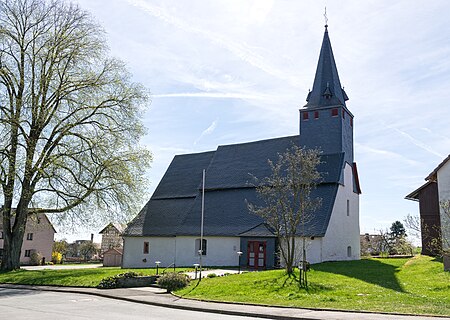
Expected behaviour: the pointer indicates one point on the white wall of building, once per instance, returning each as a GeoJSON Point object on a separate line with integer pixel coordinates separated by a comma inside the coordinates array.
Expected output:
{"type": "Point", "coordinates": [443, 180]}
{"type": "Point", "coordinates": [160, 249]}
{"type": "Point", "coordinates": [220, 251]}
{"type": "Point", "coordinates": [343, 229]}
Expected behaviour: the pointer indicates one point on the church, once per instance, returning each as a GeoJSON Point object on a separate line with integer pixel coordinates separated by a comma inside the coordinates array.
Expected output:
{"type": "Point", "coordinates": [167, 229]}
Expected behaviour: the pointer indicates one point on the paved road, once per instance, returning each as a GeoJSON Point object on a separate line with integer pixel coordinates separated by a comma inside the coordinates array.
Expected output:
{"type": "Point", "coordinates": [27, 304]}
{"type": "Point", "coordinates": [63, 266]}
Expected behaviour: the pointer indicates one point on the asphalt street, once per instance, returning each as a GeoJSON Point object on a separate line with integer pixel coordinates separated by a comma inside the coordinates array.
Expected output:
{"type": "Point", "coordinates": [29, 304]}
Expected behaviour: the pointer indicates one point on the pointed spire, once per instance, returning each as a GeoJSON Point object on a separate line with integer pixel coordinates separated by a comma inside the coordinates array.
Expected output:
{"type": "Point", "coordinates": [327, 89]}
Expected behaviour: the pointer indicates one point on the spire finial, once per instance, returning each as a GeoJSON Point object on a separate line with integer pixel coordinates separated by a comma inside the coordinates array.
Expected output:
{"type": "Point", "coordinates": [326, 18]}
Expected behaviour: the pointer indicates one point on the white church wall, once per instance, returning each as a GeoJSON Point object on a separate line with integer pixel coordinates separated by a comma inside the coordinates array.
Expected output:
{"type": "Point", "coordinates": [220, 251]}
{"type": "Point", "coordinates": [341, 241]}
{"type": "Point", "coordinates": [443, 180]}
{"type": "Point", "coordinates": [160, 249]}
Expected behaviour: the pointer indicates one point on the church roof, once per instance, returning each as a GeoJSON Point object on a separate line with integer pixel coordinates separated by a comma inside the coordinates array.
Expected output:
{"type": "Point", "coordinates": [327, 89]}
{"type": "Point", "coordinates": [175, 207]}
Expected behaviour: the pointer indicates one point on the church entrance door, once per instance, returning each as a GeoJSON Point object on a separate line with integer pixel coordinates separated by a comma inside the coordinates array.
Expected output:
{"type": "Point", "coordinates": [256, 251]}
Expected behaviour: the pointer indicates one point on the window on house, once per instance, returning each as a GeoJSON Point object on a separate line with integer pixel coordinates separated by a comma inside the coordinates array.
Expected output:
{"type": "Point", "coordinates": [316, 114]}
{"type": "Point", "coordinates": [349, 251]}
{"type": "Point", "coordinates": [29, 236]}
{"type": "Point", "coordinates": [146, 247]}
{"type": "Point", "coordinates": [1, 234]}
{"type": "Point", "coordinates": [348, 208]}
{"type": "Point", "coordinates": [203, 248]}
{"type": "Point", "coordinates": [305, 115]}
{"type": "Point", "coordinates": [334, 112]}
{"type": "Point", "coordinates": [27, 253]}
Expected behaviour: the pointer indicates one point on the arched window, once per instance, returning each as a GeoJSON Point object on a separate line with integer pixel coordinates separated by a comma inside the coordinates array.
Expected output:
{"type": "Point", "coordinates": [349, 251]}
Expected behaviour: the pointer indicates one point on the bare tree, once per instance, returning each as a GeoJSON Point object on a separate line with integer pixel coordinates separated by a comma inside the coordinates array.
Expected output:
{"type": "Point", "coordinates": [289, 207]}
{"type": "Point", "coordinates": [69, 120]}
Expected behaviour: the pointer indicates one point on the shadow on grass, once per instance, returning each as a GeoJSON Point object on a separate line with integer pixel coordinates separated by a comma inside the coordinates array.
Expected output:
{"type": "Point", "coordinates": [367, 270]}
{"type": "Point", "coordinates": [285, 282]}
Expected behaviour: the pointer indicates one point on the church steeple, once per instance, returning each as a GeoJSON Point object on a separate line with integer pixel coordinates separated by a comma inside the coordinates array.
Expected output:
{"type": "Point", "coordinates": [325, 121]}
{"type": "Point", "coordinates": [327, 90]}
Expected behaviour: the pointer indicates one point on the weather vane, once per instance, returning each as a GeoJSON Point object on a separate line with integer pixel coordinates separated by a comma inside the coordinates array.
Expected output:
{"type": "Point", "coordinates": [326, 18]}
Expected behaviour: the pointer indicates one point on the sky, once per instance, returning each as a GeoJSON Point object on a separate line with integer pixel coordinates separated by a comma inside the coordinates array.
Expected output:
{"type": "Point", "coordinates": [230, 71]}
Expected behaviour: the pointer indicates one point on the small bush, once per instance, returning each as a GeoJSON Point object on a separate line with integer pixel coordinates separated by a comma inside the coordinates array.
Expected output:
{"type": "Point", "coordinates": [56, 257]}
{"type": "Point", "coordinates": [113, 282]}
{"type": "Point", "coordinates": [212, 275]}
{"type": "Point", "coordinates": [35, 258]}
{"type": "Point", "coordinates": [173, 281]}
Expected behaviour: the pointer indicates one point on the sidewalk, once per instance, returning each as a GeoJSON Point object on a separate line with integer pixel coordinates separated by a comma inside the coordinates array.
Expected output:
{"type": "Point", "coordinates": [158, 297]}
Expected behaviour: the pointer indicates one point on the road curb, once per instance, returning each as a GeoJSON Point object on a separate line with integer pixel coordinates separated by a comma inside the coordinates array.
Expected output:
{"type": "Point", "coordinates": [83, 290]}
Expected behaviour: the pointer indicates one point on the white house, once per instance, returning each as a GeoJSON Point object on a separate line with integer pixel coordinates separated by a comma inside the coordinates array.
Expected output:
{"type": "Point", "coordinates": [168, 228]}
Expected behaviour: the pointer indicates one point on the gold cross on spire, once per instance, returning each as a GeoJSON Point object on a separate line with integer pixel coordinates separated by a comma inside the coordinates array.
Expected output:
{"type": "Point", "coordinates": [326, 18]}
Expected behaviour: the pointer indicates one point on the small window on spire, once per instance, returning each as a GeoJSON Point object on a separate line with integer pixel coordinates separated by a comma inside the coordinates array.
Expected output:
{"type": "Point", "coordinates": [334, 112]}
{"type": "Point", "coordinates": [305, 115]}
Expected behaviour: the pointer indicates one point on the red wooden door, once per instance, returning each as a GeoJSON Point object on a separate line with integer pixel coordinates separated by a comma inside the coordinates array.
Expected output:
{"type": "Point", "coordinates": [256, 254]}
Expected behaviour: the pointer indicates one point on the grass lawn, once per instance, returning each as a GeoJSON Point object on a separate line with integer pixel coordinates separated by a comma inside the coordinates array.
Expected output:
{"type": "Point", "coordinates": [413, 286]}
{"type": "Point", "coordinates": [67, 277]}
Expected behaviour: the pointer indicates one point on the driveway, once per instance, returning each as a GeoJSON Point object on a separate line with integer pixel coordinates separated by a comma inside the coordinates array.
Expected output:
{"type": "Point", "coordinates": [63, 266]}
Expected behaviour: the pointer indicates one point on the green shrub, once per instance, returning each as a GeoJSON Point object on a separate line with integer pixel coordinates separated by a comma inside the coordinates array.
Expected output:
{"type": "Point", "coordinates": [173, 281]}
{"type": "Point", "coordinates": [35, 258]}
{"type": "Point", "coordinates": [212, 275]}
{"type": "Point", "coordinates": [113, 282]}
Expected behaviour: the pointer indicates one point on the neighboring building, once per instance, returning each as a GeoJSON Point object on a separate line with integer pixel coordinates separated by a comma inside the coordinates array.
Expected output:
{"type": "Point", "coordinates": [112, 236]}
{"type": "Point", "coordinates": [38, 238]}
{"type": "Point", "coordinates": [434, 223]}
{"type": "Point", "coordinates": [168, 228]}
{"type": "Point", "coordinates": [371, 244]}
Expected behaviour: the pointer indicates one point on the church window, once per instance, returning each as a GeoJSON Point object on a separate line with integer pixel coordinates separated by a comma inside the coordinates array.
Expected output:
{"type": "Point", "coordinates": [316, 114]}
{"type": "Point", "coordinates": [305, 115]}
{"type": "Point", "coordinates": [343, 114]}
{"type": "Point", "coordinates": [146, 247]}
{"type": "Point", "coordinates": [348, 208]}
{"type": "Point", "coordinates": [334, 112]}
{"type": "Point", "coordinates": [203, 248]}
{"type": "Point", "coordinates": [27, 253]}
{"type": "Point", "coordinates": [349, 251]}
{"type": "Point", "coordinates": [1, 234]}
{"type": "Point", "coordinates": [29, 236]}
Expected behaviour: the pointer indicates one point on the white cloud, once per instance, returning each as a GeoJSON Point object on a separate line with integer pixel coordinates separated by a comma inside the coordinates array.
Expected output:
{"type": "Point", "coordinates": [207, 131]}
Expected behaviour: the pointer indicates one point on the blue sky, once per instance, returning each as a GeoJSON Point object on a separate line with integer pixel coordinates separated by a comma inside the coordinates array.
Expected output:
{"type": "Point", "coordinates": [225, 71]}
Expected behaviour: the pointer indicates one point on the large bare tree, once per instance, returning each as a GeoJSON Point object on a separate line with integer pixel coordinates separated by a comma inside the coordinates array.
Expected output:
{"type": "Point", "coordinates": [288, 205]}
{"type": "Point", "coordinates": [69, 119]}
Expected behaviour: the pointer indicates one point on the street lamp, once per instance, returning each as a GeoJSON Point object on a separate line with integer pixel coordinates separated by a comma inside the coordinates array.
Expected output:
{"type": "Point", "coordinates": [196, 268]}
{"type": "Point", "coordinates": [157, 266]}
{"type": "Point", "coordinates": [239, 253]}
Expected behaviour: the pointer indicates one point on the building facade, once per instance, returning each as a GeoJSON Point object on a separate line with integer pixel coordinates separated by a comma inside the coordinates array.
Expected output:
{"type": "Point", "coordinates": [38, 239]}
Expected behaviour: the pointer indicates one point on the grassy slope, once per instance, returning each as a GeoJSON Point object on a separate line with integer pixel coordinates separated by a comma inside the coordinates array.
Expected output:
{"type": "Point", "coordinates": [73, 277]}
{"type": "Point", "coordinates": [418, 285]}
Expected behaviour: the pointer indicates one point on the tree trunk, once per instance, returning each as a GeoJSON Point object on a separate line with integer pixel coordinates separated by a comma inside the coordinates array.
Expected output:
{"type": "Point", "coordinates": [12, 244]}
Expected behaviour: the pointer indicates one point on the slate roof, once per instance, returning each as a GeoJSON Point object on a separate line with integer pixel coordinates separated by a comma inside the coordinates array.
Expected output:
{"type": "Point", "coordinates": [327, 89]}
{"type": "Point", "coordinates": [175, 207]}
